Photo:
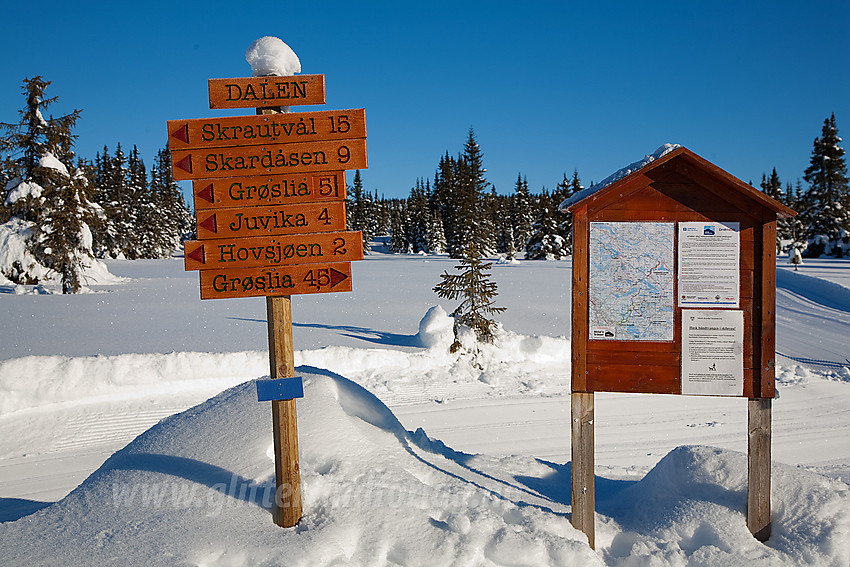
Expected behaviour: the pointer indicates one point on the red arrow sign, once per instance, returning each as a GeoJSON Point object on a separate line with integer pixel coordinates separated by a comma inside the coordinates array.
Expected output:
{"type": "Point", "coordinates": [337, 277]}
{"type": "Point", "coordinates": [206, 194]}
{"type": "Point", "coordinates": [181, 133]}
{"type": "Point", "coordinates": [209, 224]}
{"type": "Point", "coordinates": [184, 165]}
{"type": "Point", "coordinates": [197, 254]}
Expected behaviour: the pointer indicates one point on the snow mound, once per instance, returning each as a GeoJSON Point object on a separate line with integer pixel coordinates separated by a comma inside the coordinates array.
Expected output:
{"type": "Point", "coordinates": [435, 329]}
{"type": "Point", "coordinates": [196, 489]}
{"type": "Point", "coordinates": [271, 56]}
{"type": "Point", "coordinates": [617, 175]}
{"type": "Point", "coordinates": [690, 509]}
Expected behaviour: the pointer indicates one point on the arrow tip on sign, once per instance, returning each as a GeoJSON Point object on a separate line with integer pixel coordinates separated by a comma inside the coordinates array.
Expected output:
{"type": "Point", "coordinates": [206, 193]}
{"type": "Point", "coordinates": [198, 254]}
{"type": "Point", "coordinates": [185, 164]}
{"type": "Point", "coordinates": [209, 224]}
{"type": "Point", "coordinates": [182, 134]}
{"type": "Point", "coordinates": [337, 277]}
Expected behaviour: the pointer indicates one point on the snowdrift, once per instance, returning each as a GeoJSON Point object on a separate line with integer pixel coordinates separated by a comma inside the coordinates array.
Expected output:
{"type": "Point", "coordinates": [196, 489]}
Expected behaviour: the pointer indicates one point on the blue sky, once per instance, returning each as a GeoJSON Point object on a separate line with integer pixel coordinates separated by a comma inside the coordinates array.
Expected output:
{"type": "Point", "coordinates": [549, 87]}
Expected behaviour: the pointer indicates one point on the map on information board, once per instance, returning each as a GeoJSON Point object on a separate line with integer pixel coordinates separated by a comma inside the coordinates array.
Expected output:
{"type": "Point", "coordinates": [631, 281]}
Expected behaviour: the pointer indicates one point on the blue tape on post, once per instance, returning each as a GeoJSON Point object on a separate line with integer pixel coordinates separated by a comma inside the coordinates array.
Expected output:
{"type": "Point", "coordinates": [280, 389]}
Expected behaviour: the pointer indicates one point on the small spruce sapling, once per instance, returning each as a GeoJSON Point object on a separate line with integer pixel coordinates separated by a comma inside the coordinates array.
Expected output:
{"type": "Point", "coordinates": [476, 291]}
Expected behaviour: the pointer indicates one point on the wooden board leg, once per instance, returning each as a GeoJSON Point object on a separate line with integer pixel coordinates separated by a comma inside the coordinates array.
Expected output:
{"type": "Point", "coordinates": [758, 467]}
{"type": "Point", "coordinates": [582, 451]}
{"type": "Point", "coordinates": [287, 501]}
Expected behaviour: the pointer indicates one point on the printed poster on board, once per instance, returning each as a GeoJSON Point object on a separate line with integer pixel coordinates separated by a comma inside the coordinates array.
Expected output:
{"type": "Point", "coordinates": [713, 352]}
{"type": "Point", "coordinates": [709, 258]}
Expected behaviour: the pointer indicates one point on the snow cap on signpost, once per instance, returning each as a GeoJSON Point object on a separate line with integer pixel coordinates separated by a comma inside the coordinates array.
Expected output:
{"type": "Point", "coordinates": [269, 55]}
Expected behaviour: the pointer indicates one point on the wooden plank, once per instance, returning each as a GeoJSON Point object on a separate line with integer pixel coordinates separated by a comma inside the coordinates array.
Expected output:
{"type": "Point", "coordinates": [269, 190]}
{"type": "Point", "coordinates": [269, 159]}
{"type": "Point", "coordinates": [261, 129]}
{"type": "Point", "coordinates": [579, 298]}
{"type": "Point", "coordinates": [286, 510]}
{"type": "Point", "coordinates": [758, 467]}
{"type": "Point", "coordinates": [253, 92]}
{"type": "Point", "coordinates": [583, 486]}
{"type": "Point", "coordinates": [648, 380]}
{"type": "Point", "coordinates": [632, 378]}
{"type": "Point", "coordinates": [767, 376]}
{"type": "Point", "coordinates": [288, 280]}
{"type": "Point", "coordinates": [271, 221]}
{"type": "Point", "coordinates": [226, 253]}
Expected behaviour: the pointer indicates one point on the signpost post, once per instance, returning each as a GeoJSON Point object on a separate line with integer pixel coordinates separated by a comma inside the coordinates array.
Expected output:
{"type": "Point", "coordinates": [269, 195]}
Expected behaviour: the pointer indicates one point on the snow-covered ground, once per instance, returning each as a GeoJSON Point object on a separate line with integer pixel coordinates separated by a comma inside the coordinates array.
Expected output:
{"type": "Point", "coordinates": [409, 456]}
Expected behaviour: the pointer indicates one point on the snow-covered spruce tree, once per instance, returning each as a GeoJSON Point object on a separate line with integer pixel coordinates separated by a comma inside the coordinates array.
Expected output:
{"type": "Point", "coordinates": [358, 211]}
{"type": "Point", "coordinates": [772, 187]}
{"type": "Point", "coordinates": [472, 218]}
{"type": "Point", "coordinates": [792, 228]}
{"type": "Point", "coordinates": [445, 197]}
{"type": "Point", "coordinates": [416, 230]}
{"type": "Point", "coordinates": [504, 226]}
{"type": "Point", "coordinates": [435, 233]}
{"type": "Point", "coordinates": [825, 206]}
{"type": "Point", "coordinates": [546, 243]}
{"type": "Point", "coordinates": [522, 217]}
{"type": "Point", "coordinates": [114, 195]}
{"type": "Point", "coordinates": [167, 195]}
{"type": "Point", "coordinates": [398, 228]}
{"type": "Point", "coordinates": [48, 198]}
{"type": "Point", "coordinates": [476, 292]}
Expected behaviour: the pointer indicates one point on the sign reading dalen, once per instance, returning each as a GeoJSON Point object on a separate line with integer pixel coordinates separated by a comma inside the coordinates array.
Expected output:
{"type": "Point", "coordinates": [254, 92]}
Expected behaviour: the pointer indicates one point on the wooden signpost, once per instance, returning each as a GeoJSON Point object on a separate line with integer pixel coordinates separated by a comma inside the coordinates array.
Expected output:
{"type": "Point", "coordinates": [674, 292]}
{"type": "Point", "coordinates": [269, 194]}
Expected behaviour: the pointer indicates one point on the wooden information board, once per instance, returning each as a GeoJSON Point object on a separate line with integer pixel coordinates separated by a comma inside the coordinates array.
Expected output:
{"type": "Point", "coordinates": [645, 216]}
